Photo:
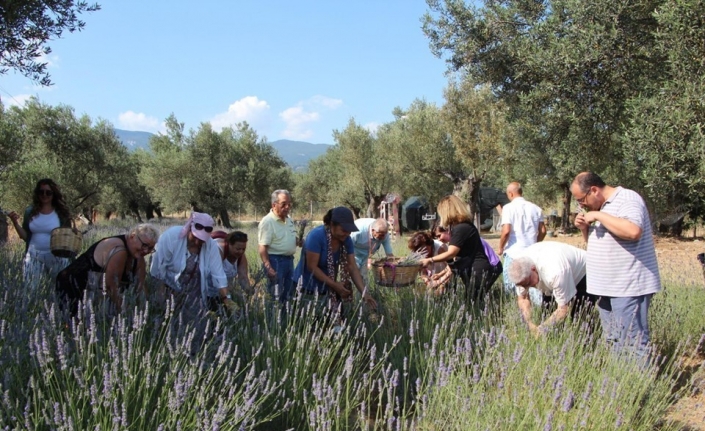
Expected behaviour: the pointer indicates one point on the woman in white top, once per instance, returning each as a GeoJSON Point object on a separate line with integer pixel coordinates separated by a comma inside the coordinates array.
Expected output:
{"type": "Point", "coordinates": [232, 249]}
{"type": "Point", "coordinates": [47, 212]}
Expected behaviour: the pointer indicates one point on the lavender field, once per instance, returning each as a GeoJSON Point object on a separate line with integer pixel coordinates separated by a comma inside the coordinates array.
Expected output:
{"type": "Point", "coordinates": [418, 363]}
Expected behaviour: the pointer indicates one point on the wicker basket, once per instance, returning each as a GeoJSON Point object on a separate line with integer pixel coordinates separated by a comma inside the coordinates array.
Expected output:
{"type": "Point", "coordinates": [65, 242]}
{"type": "Point", "coordinates": [388, 273]}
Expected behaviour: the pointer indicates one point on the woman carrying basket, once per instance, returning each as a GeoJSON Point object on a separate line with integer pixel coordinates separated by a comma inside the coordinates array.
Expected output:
{"type": "Point", "coordinates": [107, 268]}
{"type": "Point", "coordinates": [47, 212]}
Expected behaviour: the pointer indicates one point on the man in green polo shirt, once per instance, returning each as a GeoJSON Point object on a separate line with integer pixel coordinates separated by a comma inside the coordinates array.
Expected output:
{"type": "Point", "coordinates": [277, 245]}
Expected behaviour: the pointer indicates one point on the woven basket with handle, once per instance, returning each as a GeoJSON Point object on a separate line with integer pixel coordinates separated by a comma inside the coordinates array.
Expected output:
{"type": "Point", "coordinates": [65, 242]}
{"type": "Point", "coordinates": [387, 272]}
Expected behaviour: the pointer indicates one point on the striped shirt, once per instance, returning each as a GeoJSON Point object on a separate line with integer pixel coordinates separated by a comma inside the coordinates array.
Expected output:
{"type": "Point", "coordinates": [618, 267]}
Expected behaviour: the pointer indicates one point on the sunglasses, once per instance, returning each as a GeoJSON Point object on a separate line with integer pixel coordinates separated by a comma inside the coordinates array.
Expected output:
{"type": "Point", "coordinates": [43, 192]}
{"type": "Point", "coordinates": [199, 226]}
{"type": "Point", "coordinates": [145, 247]}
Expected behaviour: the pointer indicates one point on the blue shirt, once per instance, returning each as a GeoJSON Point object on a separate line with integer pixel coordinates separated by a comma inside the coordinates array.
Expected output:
{"type": "Point", "coordinates": [365, 245]}
{"type": "Point", "coordinates": [316, 243]}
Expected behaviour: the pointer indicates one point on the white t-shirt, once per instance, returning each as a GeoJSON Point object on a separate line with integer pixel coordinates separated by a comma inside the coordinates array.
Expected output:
{"type": "Point", "coordinates": [524, 217]}
{"type": "Point", "coordinates": [560, 268]}
{"type": "Point", "coordinates": [41, 226]}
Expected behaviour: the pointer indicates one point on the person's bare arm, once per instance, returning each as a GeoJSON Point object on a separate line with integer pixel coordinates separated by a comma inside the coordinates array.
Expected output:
{"type": "Point", "coordinates": [558, 316]}
{"type": "Point", "coordinates": [264, 256]}
{"type": "Point", "coordinates": [312, 265]}
{"type": "Point", "coordinates": [441, 257]}
{"type": "Point", "coordinates": [18, 227]}
{"type": "Point", "coordinates": [243, 276]}
{"type": "Point", "coordinates": [619, 227]}
{"type": "Point", "coordinates": [359, 283]}
{"type": "Point", "coordinates": [504, 237]}
{"type": "Point", "coordinates": [542, 232]}
{"type": "Point", "coordinates": [524, 304]}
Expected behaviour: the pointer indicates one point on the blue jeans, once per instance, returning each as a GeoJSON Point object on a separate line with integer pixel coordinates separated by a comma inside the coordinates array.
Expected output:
{"type": "Point", "coordinates": [282, 287]}
{"type": "Point", "coordinates": [625, 323]}
{"type": "Point", "coordinates": [510, 288]}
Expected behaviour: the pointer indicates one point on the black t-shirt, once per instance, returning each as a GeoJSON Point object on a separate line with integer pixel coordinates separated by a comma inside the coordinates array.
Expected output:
{"type": "Point", "coordinates": [466, 238]}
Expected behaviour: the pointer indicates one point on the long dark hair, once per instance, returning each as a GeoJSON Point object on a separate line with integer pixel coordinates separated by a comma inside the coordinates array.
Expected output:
{"type": "Point", "coordinates": [57, 200]}
{"type": "Point", "coordinates": [328, 219]}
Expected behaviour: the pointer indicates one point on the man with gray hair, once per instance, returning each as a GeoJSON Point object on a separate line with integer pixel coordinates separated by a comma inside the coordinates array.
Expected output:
{"type": "Point", "coordinates": [372, 234]}
{"type": "Point", "coordinates": [557, 270]}
{"type": "Point", "coordinates": [276, 236]}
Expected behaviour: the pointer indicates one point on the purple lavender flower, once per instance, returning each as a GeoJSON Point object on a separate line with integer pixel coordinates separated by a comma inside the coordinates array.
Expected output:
{"type": "Point", "coordinates": [568, 401]}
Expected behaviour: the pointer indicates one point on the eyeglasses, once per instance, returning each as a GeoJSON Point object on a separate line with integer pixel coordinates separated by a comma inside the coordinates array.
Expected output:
{"type": "Point", "coordinates": [283, 204]}
{"type": "Point", "coordinates": [582, 200]}
{"type": "Point", "coordinates": [145, 247]}
{"type": "Point", "coordinates": [44, 192]}
{"type": "Point", "coordinates": [199, 226]}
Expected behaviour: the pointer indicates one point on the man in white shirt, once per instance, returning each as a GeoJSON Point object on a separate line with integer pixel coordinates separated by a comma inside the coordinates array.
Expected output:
{"type": "Point", "coordinates": [557, 270]}
{"type": "Point", "coordinates": [522, 226]}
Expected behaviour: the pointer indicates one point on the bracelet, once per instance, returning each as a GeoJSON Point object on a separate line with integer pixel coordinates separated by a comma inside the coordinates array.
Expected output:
{"type": "Point", "coordinates": [432, 261]}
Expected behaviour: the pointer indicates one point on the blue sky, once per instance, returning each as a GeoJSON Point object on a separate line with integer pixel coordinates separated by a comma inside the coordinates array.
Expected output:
{"type": "Point", "coordinates": [292, 69]}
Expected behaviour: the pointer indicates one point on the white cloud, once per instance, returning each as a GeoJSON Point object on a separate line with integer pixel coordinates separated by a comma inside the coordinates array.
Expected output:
{"type": "Point", "coordinates": [372, 127]}
{"type": "Point", "coordinates": [16, 100]}
{"type": "Point", "coordinates": [299, 118]}
{"type": "Point", "coordinates": [130, 120]}
{"type": "Point", "coordinates": [50, 60]}
{"type": "Point", "coordinates": [249, 109]}
{"type": "Point", "coordinates": [328, 102]}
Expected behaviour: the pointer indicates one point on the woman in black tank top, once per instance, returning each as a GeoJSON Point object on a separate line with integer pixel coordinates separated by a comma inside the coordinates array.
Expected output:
{"type": "Point", "coordinates": [111, 264]}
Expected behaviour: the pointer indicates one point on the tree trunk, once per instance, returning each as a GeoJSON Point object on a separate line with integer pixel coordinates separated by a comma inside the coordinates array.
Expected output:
{"type": "Point", "coordinates": [355, 209]}
{"type": "Point", "coordinates": [565, 217]}
{"type": "Point", "coordinates": [4, 225]}
{"type": "Point", "coordinates": [225, 219]}
{"type": "Point", "coordinates": [158, 210]}
{"type": "Point", "coordinates": [107, 214]}
{"type": "Point", "coordinates": [135, 210]}
{"type": "Point", "coordinates": [373, 207]}
{"type": "Point", "coordinates": [467, 188]}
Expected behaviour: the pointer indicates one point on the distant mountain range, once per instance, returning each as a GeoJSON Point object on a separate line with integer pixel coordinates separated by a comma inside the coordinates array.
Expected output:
{"type": "Point", "coordinates": [295, 153]}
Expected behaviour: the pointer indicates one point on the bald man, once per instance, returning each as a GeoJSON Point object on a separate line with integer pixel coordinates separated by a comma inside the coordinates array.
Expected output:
{"type": "Point", "coordinates": [522, 226]}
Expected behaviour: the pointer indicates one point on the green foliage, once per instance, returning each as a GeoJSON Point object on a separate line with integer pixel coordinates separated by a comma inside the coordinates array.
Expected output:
{"type": "Point", "coordinates": [212, 171]}
{"type": "Point", "coordinates": [565, 70]}
{"type": "Point", "coordinates": [27, 27]}
{"type": "Point", "coordinates": [666, 128]}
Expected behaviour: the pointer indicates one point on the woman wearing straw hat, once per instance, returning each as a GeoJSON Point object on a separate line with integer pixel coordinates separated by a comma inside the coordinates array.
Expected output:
{"type": "Point", "coordinates": [108, 267]}
{"type": "Point", "coordinates": [47, 212]}
{"type": "Point", "coordinates": [188, 262]}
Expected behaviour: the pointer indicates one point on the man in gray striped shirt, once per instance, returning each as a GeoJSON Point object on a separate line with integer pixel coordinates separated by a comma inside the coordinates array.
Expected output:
{"type": "Point", "coordinates": [621, 260]}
